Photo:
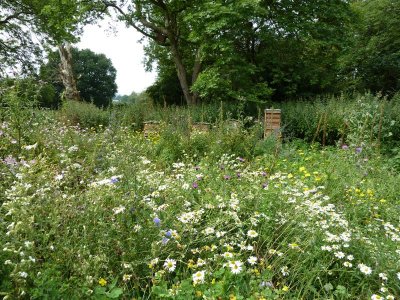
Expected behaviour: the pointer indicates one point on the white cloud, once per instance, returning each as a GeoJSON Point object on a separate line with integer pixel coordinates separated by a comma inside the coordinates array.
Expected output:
{"type": "Point", "coordinates": [125, 52]}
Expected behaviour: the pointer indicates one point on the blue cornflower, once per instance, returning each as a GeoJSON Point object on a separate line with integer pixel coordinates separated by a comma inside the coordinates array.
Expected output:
{"type": "Point", "coordinates": [157, 221]}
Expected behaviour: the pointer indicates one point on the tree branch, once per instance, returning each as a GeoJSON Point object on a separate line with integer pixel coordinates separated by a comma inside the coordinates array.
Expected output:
{"type": "Point", "coordinates": [10, 17]}
{"type": "Point", "coordinates": [160, 31]}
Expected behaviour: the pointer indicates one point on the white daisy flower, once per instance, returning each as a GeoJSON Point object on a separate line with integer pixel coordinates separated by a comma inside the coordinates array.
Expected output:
{"type": "Point", "coordinates": [365, 269]}
{"type": "Point", "coordinates": [227, 255]}
{"type": "Point", "coordinates": [252, 233]}
{"type": "Point", "coordinates": [236, 266]}
{"type": "Point", "coordinates": [252, 260]}
{"type": "Point", "coordinates": [383, 276]}
{"type": "Point", "coordinates": [198, 277]}
{"type": "Point", "coordinates": [340, 254]}
{"type": "Point", "coordinates": [347, 264]}
{"type": "Point", "coordinates": [209, 230]}
{"type": "Point", "coordinates": [170, 265]}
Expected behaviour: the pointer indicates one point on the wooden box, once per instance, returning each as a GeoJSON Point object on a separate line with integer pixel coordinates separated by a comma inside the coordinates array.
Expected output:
{"type": "Point", "coordinates": [201, 127]}
{"type": "Point", "coordinates": [272, 122]}
{"type": "Point", "coordinates": [151, 128]}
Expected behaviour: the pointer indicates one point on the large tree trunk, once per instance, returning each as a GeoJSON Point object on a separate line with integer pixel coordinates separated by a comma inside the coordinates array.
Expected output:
{"type": "Point", "coordinates": [181, 72]}
{"type": "Point", "coordinates": [71, 91]}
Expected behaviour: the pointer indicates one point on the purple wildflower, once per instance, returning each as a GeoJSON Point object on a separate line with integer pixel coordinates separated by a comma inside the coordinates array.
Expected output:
{"type": "Point", "coordinates": [157, 221]}
{"type": "Point", "coordinates": [195, 185]}
{"type": "Point", "coordinates": [241, 159]}
{"type": "Point", "coordinates": [358, 150]}
{"type": "Point", "coordinates": [227, 177]}
{"type": "Point", "coordinates": [238, 175]}
{"type": "Point", "coordinates": [197, 168]}
{"type": "Point", "coordinates": [345, 147]}
{"type": "Point", "coordinates": [11, 161]}
{"type": "Point", "coordinates": [265, 185]}
{"type": "Point", "coordinates": [168, 233]}
{"type": "Point", "coordinates": [164, 241]}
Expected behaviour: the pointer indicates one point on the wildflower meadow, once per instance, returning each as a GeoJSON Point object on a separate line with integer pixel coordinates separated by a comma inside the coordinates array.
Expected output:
{"type": "Point", "coordinates": [104, 212]}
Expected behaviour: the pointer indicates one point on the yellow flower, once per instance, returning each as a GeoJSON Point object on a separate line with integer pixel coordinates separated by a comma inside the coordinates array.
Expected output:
{"type": "Point", "coordinates": [285, 288]}
{"type": "Point", "coordinates": [191, 264]}
{"type": "Point", "coordinates": [256, 272]}
{"type": "Point", "coordinates": [232, 297]}
{"type": "Point", "coordinates": [302, 169]}
{"type": "Point", "coordinates": [290, 175]}
{"type": "Point", "coordinates": [199, 294]}
{"type": "Point", "coordinates": [229, 247]}
{"type": "Point", "coordinates": [206, 248]}
{"type": "Point", "coordinates": [102, 282]}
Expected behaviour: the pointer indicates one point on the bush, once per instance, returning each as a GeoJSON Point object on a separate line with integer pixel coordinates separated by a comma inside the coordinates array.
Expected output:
{"type": "Point", "coordinates": [362, 120]}
{"type": "Point", "coordinates": [86, 115]}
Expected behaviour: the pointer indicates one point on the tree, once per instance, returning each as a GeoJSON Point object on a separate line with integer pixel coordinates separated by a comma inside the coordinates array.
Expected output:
{"type": "Point", "coordinates": [373, 63]}
{"type": "Point", "coordinates": [17, 49]}
{"type": "Point", "coordinates": [248, 50]}
{"type": "Point", "coordinates": [50, 22]}
{"type": "Point", "coordinates": [94, 72]}
{"type": "Point", "coordinates": [164, 23]}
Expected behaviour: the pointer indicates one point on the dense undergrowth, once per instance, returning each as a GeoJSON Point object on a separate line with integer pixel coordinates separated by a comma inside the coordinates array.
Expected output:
{"type": "Point", "coordinates": [98, 211]}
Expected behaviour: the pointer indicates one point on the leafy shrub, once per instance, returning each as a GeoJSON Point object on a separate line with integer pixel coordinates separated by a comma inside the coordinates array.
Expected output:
{"type": "Point", "coordinates": [84, 114]}
{"type": "Point", "coordinates": [362, 120]}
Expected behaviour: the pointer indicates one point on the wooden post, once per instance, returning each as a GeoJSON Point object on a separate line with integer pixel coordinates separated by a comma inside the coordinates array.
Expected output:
{"type": "Point", "coordinates": [272, 122]}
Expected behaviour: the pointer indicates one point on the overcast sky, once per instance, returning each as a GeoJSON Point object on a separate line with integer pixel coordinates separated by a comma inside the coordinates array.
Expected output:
{"type": "Point", "coordinates": [125, 52]}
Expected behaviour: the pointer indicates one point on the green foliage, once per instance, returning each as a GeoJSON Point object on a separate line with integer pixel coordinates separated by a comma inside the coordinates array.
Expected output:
{"type": "Point", "coordinates": [83, 114]}
{"type": "Point", "coordinates": [372, 63]}
{"type": "Point", "coordinates": [18, 97]}
{"type": "Point", "coordinates": [50, 21]}
{"type": "Point", "coordinates": [253, 50]}
{"type": "Point", "coordinates": [358, 120]}
{"type": "Point", "coordinates": [94, 73]}
{"type": "Point", "coordinates": [100, 214]}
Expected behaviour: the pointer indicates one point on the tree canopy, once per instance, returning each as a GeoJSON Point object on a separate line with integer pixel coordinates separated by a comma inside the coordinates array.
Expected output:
{"type": "Point", "coordinates": [373, 63]}
{"type": "Point", "coordinates": [95, 75]}
{"type": "Point", "coordinates": [28, 27]}
{"type": "Point", "coordinates": [238, 50]}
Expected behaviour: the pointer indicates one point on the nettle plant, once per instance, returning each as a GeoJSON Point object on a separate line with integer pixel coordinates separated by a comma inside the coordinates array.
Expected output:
{"type": "Point", "coordinates": [366, 124]}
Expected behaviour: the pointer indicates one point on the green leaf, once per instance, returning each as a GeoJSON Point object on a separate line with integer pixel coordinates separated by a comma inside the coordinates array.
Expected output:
{"type": "Point", "coordinates": [115, 293]}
